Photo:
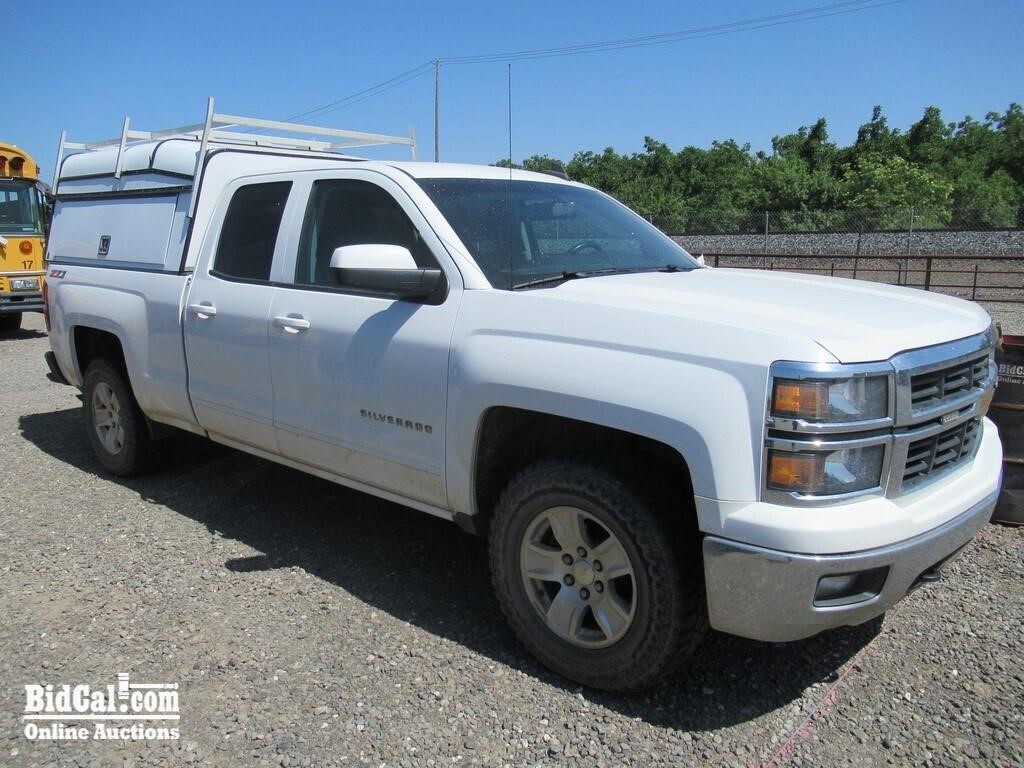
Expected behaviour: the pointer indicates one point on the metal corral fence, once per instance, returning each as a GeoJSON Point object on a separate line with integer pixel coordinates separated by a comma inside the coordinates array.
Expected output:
{"type": "Point", "coordinates": [880, 232]}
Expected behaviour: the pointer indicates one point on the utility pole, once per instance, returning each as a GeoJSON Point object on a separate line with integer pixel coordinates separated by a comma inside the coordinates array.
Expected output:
{"type": "Point", "coordinates": [437, 110]}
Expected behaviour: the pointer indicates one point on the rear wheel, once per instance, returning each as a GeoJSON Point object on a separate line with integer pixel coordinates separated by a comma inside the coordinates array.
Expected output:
{"type": "Point", "coordinates": [117, 427]}
{"type": "Point", "coordinates": [11, 322]}
{"type": "Point", "coordinates": [596, 580]}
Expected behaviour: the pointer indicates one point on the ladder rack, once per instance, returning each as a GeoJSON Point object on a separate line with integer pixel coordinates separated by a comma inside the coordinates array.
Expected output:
{"type": "Point", "coordinates": [214, 130]}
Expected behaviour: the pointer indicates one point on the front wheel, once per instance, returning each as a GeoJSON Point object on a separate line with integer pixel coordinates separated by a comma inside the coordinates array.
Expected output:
{"type": "Point", "coordinates": [597, 581]}
{"type": "Point", "coordinates": [116, 425]}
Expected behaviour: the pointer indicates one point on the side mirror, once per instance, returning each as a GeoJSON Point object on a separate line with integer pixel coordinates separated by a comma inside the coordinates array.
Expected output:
{"type": "Point", "coordinates": [386, 270]}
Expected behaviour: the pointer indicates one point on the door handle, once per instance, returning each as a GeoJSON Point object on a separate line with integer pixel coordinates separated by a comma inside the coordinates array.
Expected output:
{"type": "Point", "coordinates": [292, 324]}
{"type": "Point", "coordinates": [202, 310]}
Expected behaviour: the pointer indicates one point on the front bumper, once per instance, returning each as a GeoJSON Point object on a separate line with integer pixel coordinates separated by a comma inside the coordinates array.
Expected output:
{"type": "Point", "coordinates": [20, 302]}
{"type": "Point", "coordinates": [765, 594]}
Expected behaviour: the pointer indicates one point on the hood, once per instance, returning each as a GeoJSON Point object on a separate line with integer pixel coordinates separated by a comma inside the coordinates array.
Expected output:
{"type": "Point", "coordinates": [854, 320]}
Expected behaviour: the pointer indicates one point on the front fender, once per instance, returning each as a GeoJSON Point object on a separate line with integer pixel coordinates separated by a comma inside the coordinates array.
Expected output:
{"type": "Point", "coordinates": [695, 385]}
{"type": "Point", "coordinates": [697, 410]}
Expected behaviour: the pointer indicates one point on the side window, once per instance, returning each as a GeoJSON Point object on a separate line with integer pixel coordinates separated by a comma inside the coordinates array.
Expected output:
{"type": "Point", "coordinates": [247, 239]}
{"type": "Point", "coordinates": [349, 212]}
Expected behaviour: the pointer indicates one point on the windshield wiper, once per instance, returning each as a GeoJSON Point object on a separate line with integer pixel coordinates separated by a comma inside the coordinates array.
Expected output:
{"type": "Point", "coordinates": [561, 277]}
{"type": "Point", "coordinates": [663, 268]}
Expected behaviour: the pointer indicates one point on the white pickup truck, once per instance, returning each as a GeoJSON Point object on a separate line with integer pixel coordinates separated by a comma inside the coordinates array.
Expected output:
{"type": "Point", "coordinates": [651, 446]}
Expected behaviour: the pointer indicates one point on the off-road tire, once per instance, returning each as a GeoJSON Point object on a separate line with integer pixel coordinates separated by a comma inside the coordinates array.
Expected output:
{"type": "Point", "coordinates": [134, 453]}
{"type": "Point", "coordinates": [670, 615]}
{"type": "Point", "coordinates": [10, 323]}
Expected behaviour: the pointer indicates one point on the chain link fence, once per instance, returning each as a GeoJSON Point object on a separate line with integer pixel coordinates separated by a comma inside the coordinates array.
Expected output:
{"type": "Point", "coordinates": [883, 231]}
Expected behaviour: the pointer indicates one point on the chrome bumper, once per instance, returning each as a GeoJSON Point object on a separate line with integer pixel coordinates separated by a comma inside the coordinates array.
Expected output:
{"type": "Point", "coordinates": [765, 594]}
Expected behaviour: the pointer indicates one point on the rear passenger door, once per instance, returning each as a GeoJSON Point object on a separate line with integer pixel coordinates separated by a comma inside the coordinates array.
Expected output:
{"type": "Point", "coordinates": [360, 381]}
{"type": "Point", "coordinates": [226, 317]}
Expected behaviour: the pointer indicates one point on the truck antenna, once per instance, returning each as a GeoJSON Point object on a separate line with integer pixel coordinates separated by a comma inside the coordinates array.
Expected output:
{"type": "Point", "coordinates": [511, 223]}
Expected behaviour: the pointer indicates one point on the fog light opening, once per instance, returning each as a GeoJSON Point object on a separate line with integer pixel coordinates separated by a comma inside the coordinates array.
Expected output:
{"type": "Point", "coordinates": [850, 588]}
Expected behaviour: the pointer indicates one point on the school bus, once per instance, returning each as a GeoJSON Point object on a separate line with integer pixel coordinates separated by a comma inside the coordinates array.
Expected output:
{"type": "Point", "coordinates": [22, 237]}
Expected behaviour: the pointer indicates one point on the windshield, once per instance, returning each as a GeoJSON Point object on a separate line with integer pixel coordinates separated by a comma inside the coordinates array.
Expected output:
{"type": "Point", "coordinates": [522, 232]}
{"type": "Point", "coordinates": [20, 209]}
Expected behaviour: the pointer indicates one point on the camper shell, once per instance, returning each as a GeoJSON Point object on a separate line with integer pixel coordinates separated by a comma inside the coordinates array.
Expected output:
{"type": "Point", "coordinates": [128, 202]}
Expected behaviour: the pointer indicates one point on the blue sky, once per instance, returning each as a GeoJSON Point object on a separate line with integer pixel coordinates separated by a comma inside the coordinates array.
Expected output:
{"type": "Point", "coordinates": [89, 64]}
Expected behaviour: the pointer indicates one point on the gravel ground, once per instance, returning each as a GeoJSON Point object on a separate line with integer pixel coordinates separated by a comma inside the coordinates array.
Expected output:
{"type": "Point", "coordinates": [310, 625]}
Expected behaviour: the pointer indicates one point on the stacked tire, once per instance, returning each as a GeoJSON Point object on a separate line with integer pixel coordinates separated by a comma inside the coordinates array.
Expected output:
{"type": "Point", "coordinates": [1007, 412]}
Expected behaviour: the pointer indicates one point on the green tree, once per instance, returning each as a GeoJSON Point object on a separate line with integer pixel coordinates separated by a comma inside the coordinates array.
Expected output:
{"type": "Point", "coordinates": [969, 173]}
{"type": "Point", "coordinates": [928, 142]}
{"type": "Point", "coordinates": [876, 138]}
{"type": "Point", "coordinates": [538, 163]}
{"type": "Point", "coordinates": [543, 164]}
{"type": "Point", "coordinates": [783, 182]}
{"type": "Point", "coordinates": [1010, 152]}
{"type": "Point", "coordinates": [606, 171]}
{"type": "Point", "coordinates": [984, 201]}
{"type": "Point", "coordinates": [726, 177]}
{"type": "Point", "coordinates": [809, 144]}
{"type": "Point", "coordinates": [891, 186]}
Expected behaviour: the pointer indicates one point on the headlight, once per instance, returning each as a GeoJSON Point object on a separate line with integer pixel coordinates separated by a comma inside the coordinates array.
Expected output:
{"type": "Point", "coordinates": [825, 401]}
{"type": "Point", "coordinates": [827, 472]}
{"type": "Point", "coordinates": [25, 284]}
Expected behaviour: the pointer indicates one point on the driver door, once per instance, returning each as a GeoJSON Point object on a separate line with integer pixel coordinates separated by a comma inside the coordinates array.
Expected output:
{"type": "Point", "coordinates": [360, 382]}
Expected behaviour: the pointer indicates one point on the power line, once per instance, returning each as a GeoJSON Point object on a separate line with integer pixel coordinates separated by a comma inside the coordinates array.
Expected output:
{"type": "Point", "coordinates": [792, 17]}
{"type": "Point", "coordinates": [366, 93]}
{"type": "Point", "coordinates": [695, 33]}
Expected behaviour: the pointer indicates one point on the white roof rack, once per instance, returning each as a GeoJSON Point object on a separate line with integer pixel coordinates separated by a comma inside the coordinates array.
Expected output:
{"type": "Point", "coordinates": [214, 130]}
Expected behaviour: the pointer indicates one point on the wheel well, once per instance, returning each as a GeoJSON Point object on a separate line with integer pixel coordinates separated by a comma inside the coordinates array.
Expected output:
{"type": "Point", "coordinates": [509, 439]}
{"type": "Point", "coordinates": [91, 343]}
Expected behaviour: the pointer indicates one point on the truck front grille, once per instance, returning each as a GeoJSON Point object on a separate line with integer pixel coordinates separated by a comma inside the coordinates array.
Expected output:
{"type": "Point", "coordinates": [932, 389]}
{"type": "Point", "coordinates": [944, 451]}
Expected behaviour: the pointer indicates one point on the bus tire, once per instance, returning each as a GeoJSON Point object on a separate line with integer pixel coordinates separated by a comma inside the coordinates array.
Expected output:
{"type": "Point", "coordinates": [10, 323]}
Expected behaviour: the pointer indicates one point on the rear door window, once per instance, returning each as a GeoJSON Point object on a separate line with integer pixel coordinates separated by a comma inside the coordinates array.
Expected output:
{"type": "Point", "coordinates": [247, 239]}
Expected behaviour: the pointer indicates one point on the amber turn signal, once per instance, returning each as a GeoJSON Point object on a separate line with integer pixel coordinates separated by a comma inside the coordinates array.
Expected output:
{"type": "Point", "coordinates": [800, 472]}
{"type": "Point", "coordinates": [800, 399]}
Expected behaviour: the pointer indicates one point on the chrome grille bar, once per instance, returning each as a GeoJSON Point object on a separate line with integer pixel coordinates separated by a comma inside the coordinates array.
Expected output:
{"type": "Point", "coordinates": [930, 455]}
{"type": "Point", "coordinates": [935, 381]}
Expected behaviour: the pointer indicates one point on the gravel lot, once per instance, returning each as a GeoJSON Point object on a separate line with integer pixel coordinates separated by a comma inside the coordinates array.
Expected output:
{"type": "Point", "coordinates": [310, 625]}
